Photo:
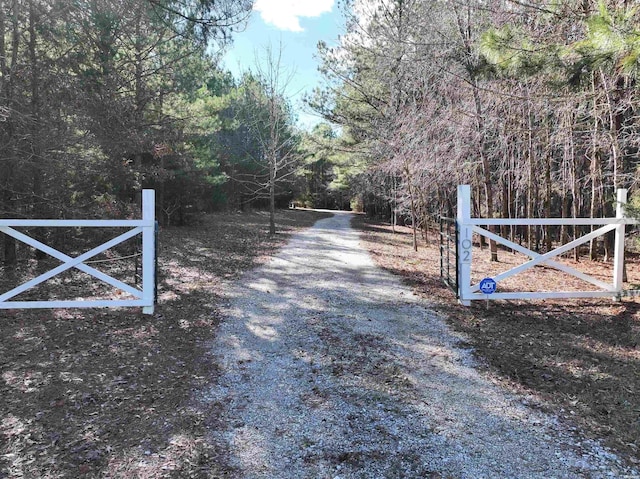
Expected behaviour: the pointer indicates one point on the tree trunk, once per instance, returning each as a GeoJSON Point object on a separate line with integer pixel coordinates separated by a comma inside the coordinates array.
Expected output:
{"type": "Point", "coordinates": [566, 174]}
{"type": "Point", "coordinates": [595, 166]}
{"type": "Point", "coordinates": [532, 173]}
{"type": "Point", "coordinates": [575, 196]}
{"type": "Point", "coordinates": [615, 124]}
{"type": "Point", "coordinates": [272, 196]}
{"type": "Point", "coordinates": [394, 213]}
{"type": "Point", "coordinates": [467, 41]}
{"type": "Point", "coordinates": [593, 211]}
{"type": "Point", "coordinates": [8, 170]}
{"type": "Point", "coordinates": [478, 212]}
{"type": "Point", "coordinates": [37, 171]}
{"type": "Point", "coordinates": [564, 231]}
{"type": "Point", "coordinates": [425, 217]}
{"type": "Point", "coordinates": [486, 170]}
{"type": "Point", "coordinates": [412, 200]}
{"type": "Point", "coordinates": [547, 200]}
{"type": "Point", "coordinates": [505, 204]}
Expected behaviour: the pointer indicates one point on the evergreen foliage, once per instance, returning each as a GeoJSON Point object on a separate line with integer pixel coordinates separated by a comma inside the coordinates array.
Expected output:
{"type": "Point", "coordinates": [532, 103]}
{"type": "Point", "coordinates": [101, 99]}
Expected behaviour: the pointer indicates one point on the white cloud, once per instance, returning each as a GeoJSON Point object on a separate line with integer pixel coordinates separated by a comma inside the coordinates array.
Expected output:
{"type": "Point", "coordinates": [286, 14]}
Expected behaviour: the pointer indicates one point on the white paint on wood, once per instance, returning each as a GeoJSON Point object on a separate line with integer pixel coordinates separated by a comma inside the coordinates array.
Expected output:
{"type": "Point", "coordinates": [465, 243]}
{"type": "Point", "coordinates": [467, 226]}
{"type": "Point", "coordinates": [618, 257]}
{"type": "Point", "coordinates": [148, 250]}
{"type": "Point", "coordinates": [550, 221]}
{"type": "Point", "coordinates": [146, 227]}
{"type": "Point", "coordinates": [549, 262]}
{"type": "Point", "coordinates": [77, 223]}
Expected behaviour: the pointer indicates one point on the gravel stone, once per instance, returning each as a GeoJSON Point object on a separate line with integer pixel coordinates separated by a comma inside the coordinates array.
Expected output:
{"type": "Point", "coordinates": [331, 368]}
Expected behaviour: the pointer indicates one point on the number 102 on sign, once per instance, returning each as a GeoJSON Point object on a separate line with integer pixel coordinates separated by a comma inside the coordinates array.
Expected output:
{"type": "Point", "coordinates": [465, 251]}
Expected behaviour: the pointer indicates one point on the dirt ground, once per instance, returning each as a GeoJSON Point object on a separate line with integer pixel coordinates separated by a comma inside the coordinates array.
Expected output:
{"type": "Point", "coordinates": [330, 367]}
{"type": "Point", "coordinates": [580, 357]}
{"type": "Point", "coordinates": [108, 393]}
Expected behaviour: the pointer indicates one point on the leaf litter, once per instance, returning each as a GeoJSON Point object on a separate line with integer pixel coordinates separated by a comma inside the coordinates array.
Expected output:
{"type": "Point", "coordinates": [109, 392]}
{"type": "Point", "coordinates": [576, 358]}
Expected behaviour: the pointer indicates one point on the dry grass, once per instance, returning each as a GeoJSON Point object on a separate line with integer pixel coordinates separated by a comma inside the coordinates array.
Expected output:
{"type": "Point", "coordinates": [580, 357]}
{"type": "Point", "coordinates": [110, 393]}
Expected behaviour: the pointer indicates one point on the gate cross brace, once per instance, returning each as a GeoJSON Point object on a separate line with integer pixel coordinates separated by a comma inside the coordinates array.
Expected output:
{"type": "Point", "coordinates": [546, 258]}
{"type": "Point", "coordinates": [69, 262]}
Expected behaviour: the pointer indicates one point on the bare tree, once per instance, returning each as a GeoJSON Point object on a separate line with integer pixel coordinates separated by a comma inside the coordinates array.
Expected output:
{"type": "Point", "coordinates": [534, 106]}
{"type": "Point", "coordinates": [273, 148]}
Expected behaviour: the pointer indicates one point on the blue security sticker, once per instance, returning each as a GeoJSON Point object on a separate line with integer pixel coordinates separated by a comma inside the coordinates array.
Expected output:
{"type": "Point", "coordinates": [488, 285]}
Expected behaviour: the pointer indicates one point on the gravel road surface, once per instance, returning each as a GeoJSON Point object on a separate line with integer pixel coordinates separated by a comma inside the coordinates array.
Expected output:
{"type": "Point", "coordinates": [331, 368]}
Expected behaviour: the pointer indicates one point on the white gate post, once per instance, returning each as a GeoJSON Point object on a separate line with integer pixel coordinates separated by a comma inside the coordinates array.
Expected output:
{"type": "Point", "coordinates": [618, 258]}
{"type": "Point", "coordinates": [465, 243]}
{"type": "Point", "coordinates": [148, 249]}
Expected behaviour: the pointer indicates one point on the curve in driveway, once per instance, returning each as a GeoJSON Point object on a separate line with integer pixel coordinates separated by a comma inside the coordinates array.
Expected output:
{"type": "Point", "coordinates": [331, 368]}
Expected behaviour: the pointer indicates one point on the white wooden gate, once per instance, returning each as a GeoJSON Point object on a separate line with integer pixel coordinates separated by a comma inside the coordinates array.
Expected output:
{"type": "Point", "coordinates": [146, 227]}
{"type": "Point", "coordinates": [467, 226]}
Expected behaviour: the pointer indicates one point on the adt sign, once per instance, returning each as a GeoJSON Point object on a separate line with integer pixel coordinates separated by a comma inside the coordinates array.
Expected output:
{"type": "Point", "coordinates": [488, 285]}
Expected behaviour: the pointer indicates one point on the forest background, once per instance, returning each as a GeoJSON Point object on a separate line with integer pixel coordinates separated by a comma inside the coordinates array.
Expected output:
{"type": "Point", "coordinates": [532, 103]}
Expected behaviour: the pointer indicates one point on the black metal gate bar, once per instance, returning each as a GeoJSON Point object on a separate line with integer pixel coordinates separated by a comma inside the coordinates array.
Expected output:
{"type": "Point", "coordinates": [449, 245]}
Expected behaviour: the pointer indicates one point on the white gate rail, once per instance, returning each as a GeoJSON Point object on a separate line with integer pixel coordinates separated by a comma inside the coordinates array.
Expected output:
{"type": "Point", "coordinates": [467, 226]}
{"type": "Point", "coordinates": [146, 226]}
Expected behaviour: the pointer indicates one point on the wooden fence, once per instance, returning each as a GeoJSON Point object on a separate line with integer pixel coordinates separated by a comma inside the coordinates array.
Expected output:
{"type": "Point", "coordinates": [467, 226]}
{"type": "Point", "coordinates": [146, 227]}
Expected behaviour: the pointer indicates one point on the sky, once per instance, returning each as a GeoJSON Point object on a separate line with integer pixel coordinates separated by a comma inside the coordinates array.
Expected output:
{"type": "Point", "coordinates": [297, 25]}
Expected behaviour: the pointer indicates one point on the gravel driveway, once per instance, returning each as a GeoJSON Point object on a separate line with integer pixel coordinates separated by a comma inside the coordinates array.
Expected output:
{"type": "Point", "coordinates": [331, 368]}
